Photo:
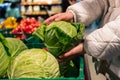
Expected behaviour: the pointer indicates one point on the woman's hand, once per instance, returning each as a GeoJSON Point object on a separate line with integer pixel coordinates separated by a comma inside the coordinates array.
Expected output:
{"type": "Point", "coordinates": [66, 16]}
{"type": "Point", "coordinates": [78, 50]}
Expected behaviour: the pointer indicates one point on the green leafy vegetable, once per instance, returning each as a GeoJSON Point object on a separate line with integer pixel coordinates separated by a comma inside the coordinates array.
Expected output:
{"type": "Point", "coordinates": [60, 36]}
{"type": "Point", "coordinates": [34, 63]}
{"type": "Point", "coordinates": [68, 69]}
{"type": "Point", "coordinates": [9, 48]}
{"type": "Point", "coordinates": [5, 44]}
{"type": "Point", "coordinates": [12, 46]}
{"type": "Point", "coordinates": [15, 46]}
{"type": "Point", "coordinates": [4, 60]}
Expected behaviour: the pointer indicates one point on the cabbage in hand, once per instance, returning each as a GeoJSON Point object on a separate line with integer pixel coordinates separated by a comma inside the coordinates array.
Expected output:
{"type": "Point", "coordinates": [59, 37]}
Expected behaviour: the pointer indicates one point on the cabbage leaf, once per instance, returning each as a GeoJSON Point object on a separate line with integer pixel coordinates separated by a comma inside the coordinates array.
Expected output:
{"type": "Point", "coordinates": [15, 46]}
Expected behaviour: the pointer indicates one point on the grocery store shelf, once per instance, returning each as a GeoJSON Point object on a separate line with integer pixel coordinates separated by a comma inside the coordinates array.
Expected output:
{"type": "Point", "coordinates": [38, 13]}
{"type": "Point", "coordinates": [40, 3]}
{"type": "Point", "coordinates": [35, 13]}
{"type": "Point", "coordinates": [40, 8]}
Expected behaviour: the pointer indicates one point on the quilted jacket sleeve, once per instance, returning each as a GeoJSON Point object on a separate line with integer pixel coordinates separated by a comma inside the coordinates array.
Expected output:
{"type": "Point", "coordinates": [87, 11]}
{"type": "Point", "coordinates": [104, 43]}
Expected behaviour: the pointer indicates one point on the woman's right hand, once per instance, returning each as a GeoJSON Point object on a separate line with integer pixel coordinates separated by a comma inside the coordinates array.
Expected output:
{"type": "Point", "coordinates": [66, 16]}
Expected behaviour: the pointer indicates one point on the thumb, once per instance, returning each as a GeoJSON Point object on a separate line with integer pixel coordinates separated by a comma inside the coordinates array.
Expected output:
{"type": "Point", "coordinates": [60, 17]}
{"type": "Point", "coordinates": [67, 16]}
{"type": "Point", "coordinates": [66, 56]}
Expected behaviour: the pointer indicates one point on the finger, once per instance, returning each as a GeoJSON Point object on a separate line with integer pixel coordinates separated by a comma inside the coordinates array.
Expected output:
{"type": "Point", "coordinates": [60, 17]}
{"type": "Point", "coordinates": [66, 55]}
{"type": "Point", "coordinates": [59, 60]}
{"type": "Point", "coordinates": [51, 19]}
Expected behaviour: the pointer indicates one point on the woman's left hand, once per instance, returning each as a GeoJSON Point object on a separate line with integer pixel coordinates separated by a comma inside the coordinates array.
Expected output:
{"type": "Point", "coordinates": [78, 50]}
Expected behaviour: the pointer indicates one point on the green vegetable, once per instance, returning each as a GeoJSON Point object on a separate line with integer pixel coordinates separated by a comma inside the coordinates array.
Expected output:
{"type": "Point", "coordinates": [4, 60]}
{"type": "Point", "coordinates": [5, 44]}
{"type": "Point", "coordinates": [4, 57]}
{"type": "Point", "coordinates": [61, 36]}
{"type": "Point", "coordinates": [12, 46]}
{"type": "Point", "coordinates": [15, 46]}
{"type": "Point", "coordinates": [9, 48]}
{"type": "Point", "coordinates": [34, 63]}
{"type": "Point", "coordinates": [68, 69]}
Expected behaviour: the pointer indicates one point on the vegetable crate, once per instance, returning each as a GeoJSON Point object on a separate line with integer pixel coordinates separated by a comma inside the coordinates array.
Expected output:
{"type": "Point", "coordinates": [32, 42]}
{"type": "Point", "coordinates": [6, 32]}
{"type": "Point", "coordinates": [80, 64]}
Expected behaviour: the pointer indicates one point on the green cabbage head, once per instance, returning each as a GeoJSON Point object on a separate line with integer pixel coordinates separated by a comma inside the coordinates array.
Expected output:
{"type": "Point", "coordinates": [9, 48]}
{"type": "Point", "coordinates": [59, 37]}
{"type": "Point", "coordinates": [15, 46]}
{"type": "Point", "coordinates": [34, 63]}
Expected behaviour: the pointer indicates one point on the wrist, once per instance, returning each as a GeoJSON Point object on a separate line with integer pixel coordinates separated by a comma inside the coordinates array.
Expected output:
{"type": "Point", "coordinates": [71, 15]}
{"type": "Point", "coordinates": [78, 49]}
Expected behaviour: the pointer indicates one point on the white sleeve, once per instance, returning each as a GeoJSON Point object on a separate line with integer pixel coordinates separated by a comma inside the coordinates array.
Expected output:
{"type": "Point", "coordinates": [87, 11]}
{"type": "Point", "coordinates": [104, 43]}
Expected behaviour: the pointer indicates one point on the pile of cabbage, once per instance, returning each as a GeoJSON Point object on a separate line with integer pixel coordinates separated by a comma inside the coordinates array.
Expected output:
{"type": "Point", "coordinates": [17, 61]}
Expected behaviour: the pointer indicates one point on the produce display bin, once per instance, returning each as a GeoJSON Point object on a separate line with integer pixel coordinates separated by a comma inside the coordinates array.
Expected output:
{"type": "Point", "coordinates": [6, 32]}
{"type": "Point", "coordinates": [32, 42]}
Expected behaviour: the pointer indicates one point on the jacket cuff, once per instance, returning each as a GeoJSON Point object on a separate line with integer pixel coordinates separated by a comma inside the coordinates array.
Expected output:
{"type": "Point", "coordinates": [74, 18]}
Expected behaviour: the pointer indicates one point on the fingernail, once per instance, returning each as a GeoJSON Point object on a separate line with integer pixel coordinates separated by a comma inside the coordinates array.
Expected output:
{"type": "Point", "coordinates": [60, 56]}
{"type": "Point", "coordinates": [56, 19]}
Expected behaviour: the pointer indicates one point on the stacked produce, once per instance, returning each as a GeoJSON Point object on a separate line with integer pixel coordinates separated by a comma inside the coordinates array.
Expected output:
{"type": "Point", "coordinates": [27, 26]}
{"type": "Point", "coordinates": [10, 22]}
{"type": "Point", "coordinates": [19, 27]}
{"type": "Point", "coordinates": [10, 47]}
{"type": "Point", "coordinates": [17, 61]}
